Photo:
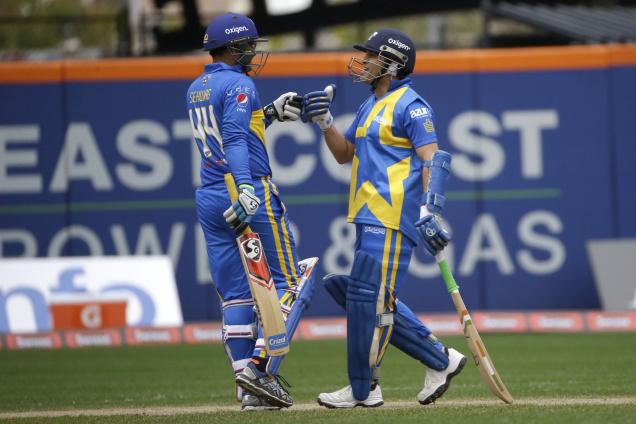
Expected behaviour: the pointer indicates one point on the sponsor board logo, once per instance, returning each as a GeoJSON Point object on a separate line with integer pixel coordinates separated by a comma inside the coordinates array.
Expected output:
{"type": "Point", "coordinates": [611, 321]}
{"type": "Point", "coordinates": [399, 44]}
{"type": "Point", "coordinates": [136, 336]}
{"type": "Point", "coordinates": [202, 333]}
{"type": "Point", "coordinates": [509, 322]}
{"type": "Point", "coordinates": [443, 324]}
{"type": "Point", "coordinates": [49, 284]}
{"type": "Point", "coordinates": [36, 341]}
{"type": "Point", "coordinates": [278, 341]}
{"type": "Point", "coordinates": [236, 30]}
{"type": "Point", "coordinates": [556, 322]}
{"type": "Point", "coordinates": [85, 338]}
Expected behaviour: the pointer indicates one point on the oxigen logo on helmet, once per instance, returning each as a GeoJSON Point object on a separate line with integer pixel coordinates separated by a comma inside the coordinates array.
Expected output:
{"type": "Point", "coordinates": [236, 29]}
{"type": "Point", "coordinates": [398, 44]}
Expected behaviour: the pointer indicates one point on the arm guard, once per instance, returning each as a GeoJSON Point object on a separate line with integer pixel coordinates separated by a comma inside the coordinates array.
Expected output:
{"type": "Point", "coordinates": [439, 171]}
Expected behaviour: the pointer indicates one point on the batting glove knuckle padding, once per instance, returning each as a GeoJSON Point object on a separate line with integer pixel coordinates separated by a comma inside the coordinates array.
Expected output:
{"type": "Point", "coordinates": [287, 107]}
{"type": "Point", "coordinates": [316, 107]}
{"type": "Point", "coordinates": [435, 237]}
{"type": "Point", "coordinates": [239, 215]}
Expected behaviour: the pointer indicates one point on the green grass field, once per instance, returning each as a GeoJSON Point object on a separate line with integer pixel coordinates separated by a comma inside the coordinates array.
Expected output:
{"type": "Point", "coordinates": [558, 378]}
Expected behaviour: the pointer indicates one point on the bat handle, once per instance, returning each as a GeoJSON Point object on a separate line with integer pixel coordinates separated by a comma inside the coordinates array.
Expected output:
{"type": "Point", "coordinates": [447, 275]}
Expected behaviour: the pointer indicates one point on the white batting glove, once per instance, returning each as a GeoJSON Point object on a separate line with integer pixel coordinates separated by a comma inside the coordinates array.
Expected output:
{"type": "Point", "coordinates": [287, 107]}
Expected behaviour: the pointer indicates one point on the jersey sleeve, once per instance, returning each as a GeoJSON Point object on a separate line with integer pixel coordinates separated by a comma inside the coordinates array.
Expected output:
{"type": "Point", "coordinates": [418, 122]}
{"type": "Point", "coordinates": [350, 135]}
{"type": "Point", "coordinates": [237, 113]}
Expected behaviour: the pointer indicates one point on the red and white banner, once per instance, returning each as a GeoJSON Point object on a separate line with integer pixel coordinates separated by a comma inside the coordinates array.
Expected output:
{"type": "Point", "coordinates": [331, 328]}
{"type": "Point", "coordinates": [144, 336]}
{"type": "Point", "coordinates": [51, 340]}
{"type": "Point", "coordinates": [77, 339]}
{"type": "Point", "coordinates": [202, 333]}
{"type": "Point", "coordinates": [556, 322]}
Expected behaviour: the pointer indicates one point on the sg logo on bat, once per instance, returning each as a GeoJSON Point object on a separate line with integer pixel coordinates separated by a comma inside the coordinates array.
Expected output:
{"type": "Point", "coordinates": [252, 249]}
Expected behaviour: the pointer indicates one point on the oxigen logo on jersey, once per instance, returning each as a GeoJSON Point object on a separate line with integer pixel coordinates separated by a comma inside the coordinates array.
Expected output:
{"type": "Point", "coordinates": [236, 30]}
{"type": "Point", "coordinates": [399, 44]}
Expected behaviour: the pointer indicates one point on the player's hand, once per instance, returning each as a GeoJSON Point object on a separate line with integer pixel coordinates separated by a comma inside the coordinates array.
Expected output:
{"type": "Point", "coordinates": [316, 107]}
{"type": "Point", "coordinates": [287, 107]}
{"type": "Point", "coordinates": [239, 215]}
{"type": "Point", "coordinates": [435, 237]}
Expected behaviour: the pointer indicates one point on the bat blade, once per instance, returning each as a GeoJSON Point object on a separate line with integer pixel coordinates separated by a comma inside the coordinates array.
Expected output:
{"type": "Point", "coordinates": [264, 294]}
{"type": "Point", "coordinates": [482, 359]}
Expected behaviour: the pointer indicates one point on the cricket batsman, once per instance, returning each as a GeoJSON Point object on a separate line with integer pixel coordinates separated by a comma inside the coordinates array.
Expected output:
{"type": "Point", "coordinates": [395, 199]}
{"type": "Point", "coordinates": [237, 190]}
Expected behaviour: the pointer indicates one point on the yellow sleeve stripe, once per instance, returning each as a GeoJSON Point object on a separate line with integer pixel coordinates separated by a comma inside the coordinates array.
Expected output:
{"type": "Point", "coordinates": [231, 187]}
{"type": "Point", "coordinates": [257, 124]}
{"type": "Point", "coordinates": [272, 221]}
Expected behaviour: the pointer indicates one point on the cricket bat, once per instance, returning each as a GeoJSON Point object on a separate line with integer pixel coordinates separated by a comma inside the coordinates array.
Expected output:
{"type": "Point", "coordinates": [476, 346]}
{"type": "Point", "coordinates": [264, 293]}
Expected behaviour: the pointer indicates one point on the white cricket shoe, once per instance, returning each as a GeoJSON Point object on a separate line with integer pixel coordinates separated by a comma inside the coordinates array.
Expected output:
{"type": "Point", "coordinates": [437, 382]}
{"type": "Point", "coordinates": [343, 398]}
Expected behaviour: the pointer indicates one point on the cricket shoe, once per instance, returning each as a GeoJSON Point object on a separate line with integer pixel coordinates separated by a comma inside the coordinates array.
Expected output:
{"type": "Point", "coordinates": [264, 385]}
{"type": "Point", "coordinates": [437, 382]}
{"type": "Point", "coordinates": [343, 398]}
{"type": "Point", "coordinates": [251, 402]}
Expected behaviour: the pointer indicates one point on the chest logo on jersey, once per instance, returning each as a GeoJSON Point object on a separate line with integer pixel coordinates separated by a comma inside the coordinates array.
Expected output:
{"type": "Point", "coordinates": [379, 119]}
{"type": "Point", "coordinates": [415, 113]}
{"type": "Point", "coordinates": [241, 101]}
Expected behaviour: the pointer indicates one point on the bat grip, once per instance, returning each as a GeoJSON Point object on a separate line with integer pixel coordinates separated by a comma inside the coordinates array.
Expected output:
{"type": "Point", "coordinates": [447, 275]}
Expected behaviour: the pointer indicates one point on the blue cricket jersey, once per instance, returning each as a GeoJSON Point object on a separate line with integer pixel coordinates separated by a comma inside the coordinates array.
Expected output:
{"type": "Point", "coordinates": [386, 176]}
{"type": "Point", "coordinates": [228, 125]}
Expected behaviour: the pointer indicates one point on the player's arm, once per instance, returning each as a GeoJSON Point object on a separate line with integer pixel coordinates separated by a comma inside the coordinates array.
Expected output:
{"type": "Point", "coordinates": [419, 127]}
{"type": "Point", "coordinates": [316, 109]}
{"type": "Point", "coordinates": [425, 153]}
{"type": "Point", "coordinates": [236, 123]}
{"type": "Point", "coordinates": [341, 149]}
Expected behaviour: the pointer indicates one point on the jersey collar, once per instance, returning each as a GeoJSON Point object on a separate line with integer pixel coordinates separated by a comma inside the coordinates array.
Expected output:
{"type": "Point", "coordinates": [220, 66]}
{"type": "Point", "coordinates": [394, 85]}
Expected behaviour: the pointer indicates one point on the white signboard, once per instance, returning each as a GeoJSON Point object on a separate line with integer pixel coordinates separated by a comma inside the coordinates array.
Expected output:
{"type": "Point", "coordinates": [28, 286]}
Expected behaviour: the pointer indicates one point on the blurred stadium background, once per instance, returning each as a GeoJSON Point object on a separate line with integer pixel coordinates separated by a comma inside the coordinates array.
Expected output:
{"type": "Point", "coordinates": [99, 243]}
